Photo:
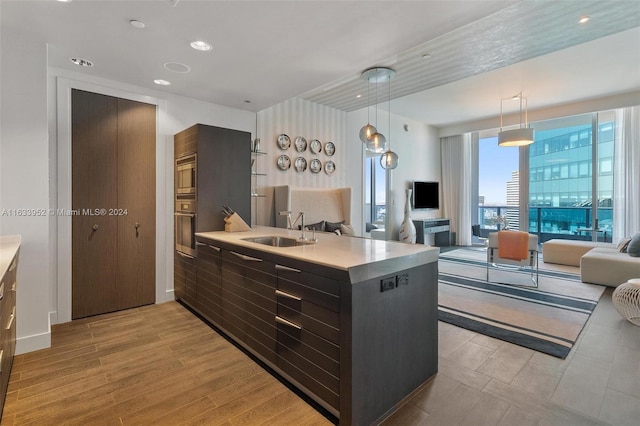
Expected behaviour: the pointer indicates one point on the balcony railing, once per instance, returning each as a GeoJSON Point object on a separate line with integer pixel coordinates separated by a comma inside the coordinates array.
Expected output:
{"type": "Point", "coordinates": [571, 223]}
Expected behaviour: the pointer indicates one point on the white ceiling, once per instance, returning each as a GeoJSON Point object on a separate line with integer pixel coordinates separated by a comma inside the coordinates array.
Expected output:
{"type": "Point", "coordinates": [269, 51]}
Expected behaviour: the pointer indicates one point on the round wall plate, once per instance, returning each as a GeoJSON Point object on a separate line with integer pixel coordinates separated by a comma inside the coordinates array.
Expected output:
{"type": "Point", "coordinates": [315, 166]}
{"type": "Point", "coordinates": [283, 141]}
{"type": "Point", "coordinates": [300, 144]}
{"type": "Point", "coordinates": [315, 146]}
{"type": "Point", "coordinates": [329, 148]}
{"type": "Point", "coordinates": [329, 167]}
{"type": "Point", "coordinates": [300, 165]}
{"type": "Point", "coordinates": [284, 162]}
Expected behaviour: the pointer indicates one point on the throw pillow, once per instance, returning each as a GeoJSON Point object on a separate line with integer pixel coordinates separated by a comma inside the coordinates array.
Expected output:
{"type": "Point", "coordinates": [347, 230]}
{"type": "Point", "coordinates": [332, 226]}
{"type": "Point", "coordinates": [317, 226]}
{"type": "Point", "coordinates": [623, 244]}
{"type": "Point", "coordinates": [634, 246]}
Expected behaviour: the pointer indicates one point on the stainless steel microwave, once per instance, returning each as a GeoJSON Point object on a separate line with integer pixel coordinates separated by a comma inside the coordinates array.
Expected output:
{"type": "Point", "coordinates": [186, 176]}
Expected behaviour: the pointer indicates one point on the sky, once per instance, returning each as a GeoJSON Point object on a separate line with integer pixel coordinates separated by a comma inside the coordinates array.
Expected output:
{"type": "Point", "coordinates": [496, 165]}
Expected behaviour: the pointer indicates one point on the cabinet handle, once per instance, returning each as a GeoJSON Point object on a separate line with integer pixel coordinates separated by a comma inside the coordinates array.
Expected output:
{"type": "Point", "coordinates": [208, 245]}
{"type": "Point", "coordinates": [286, 268]}
{"type": "Point", "coordinates": [1, 291]}
{"type": "Point", "coordinates": [1, 363]}
{"type": "Point", "coordinates": [11, 318]}
{"type": "Point", "coordinates": [289, 323]}
{"type": "Point", "coordinates": [184, 255]}
{"type": "Point", "coordinates": [287, 295]}
{"type": "Point", "coordinates": [243, 257]}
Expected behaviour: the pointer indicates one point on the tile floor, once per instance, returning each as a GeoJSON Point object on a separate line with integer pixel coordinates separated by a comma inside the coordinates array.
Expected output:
{"type": "Point", "coordinates": [483, 381]}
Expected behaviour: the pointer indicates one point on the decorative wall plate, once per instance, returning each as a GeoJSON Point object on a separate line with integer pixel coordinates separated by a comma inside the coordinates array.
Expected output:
{"type": "Point", "coordinates": [329, 148]}
{"type": "Point", "coordinates": [283, 141]}
{"type": "Point", "coordinates": [284, 162]}
{"type": "Point", "coordinates": [315, 166]}
{"type": "Point", "coordinates": [300, 164]}
{"type": "Point", "coordinates": [301, 144]}
{"type": "Point", "coordinates": [329, 167]}
{"type": "Point", "coordinates": [315, 146]}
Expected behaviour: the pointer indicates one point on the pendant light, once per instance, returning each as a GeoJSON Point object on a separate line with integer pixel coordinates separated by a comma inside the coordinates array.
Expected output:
{"type": "Point", "coordinates": [389, 160]}
{"type": "Point", "coordinates": [377, 142]}
{"type": "Point", "coordinates": [521, 136]}
{"type": "Point", "coordinates": [367, 130]}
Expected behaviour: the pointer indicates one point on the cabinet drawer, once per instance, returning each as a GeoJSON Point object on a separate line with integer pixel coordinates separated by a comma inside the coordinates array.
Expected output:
{"type": "Point", "coordinates": [312, 370]}
{"type": "Point", "coordinates": [309, 323]}
{"type": "Point", "coordinates": [209, 252]}
{"type": "Point", "coordinates": [185, 278]}
{"type": "Point", "coordinates": [329, 396]}
{"type": "Point", "coordinates": [240, 262]}
{"type": "Point", "coordinates": [317, 350]}
{"type": "Point", "coordinates": [314, 288]}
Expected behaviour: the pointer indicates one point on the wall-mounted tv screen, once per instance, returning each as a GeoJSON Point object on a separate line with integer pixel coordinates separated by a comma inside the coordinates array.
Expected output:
{"type": "Point", "coordinates": [426, 195]}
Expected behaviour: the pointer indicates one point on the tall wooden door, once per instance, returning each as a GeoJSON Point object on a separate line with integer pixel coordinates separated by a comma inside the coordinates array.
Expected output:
{"type": "Point", "coordinates": [113, 195]}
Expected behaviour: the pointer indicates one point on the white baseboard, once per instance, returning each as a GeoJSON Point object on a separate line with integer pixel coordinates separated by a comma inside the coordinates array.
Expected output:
{"type": "Point", "coordinates": [33, 343]}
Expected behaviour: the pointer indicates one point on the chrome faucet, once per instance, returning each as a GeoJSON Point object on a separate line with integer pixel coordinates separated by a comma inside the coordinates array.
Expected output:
{"type": "Point", "coordinates": [292, 224]}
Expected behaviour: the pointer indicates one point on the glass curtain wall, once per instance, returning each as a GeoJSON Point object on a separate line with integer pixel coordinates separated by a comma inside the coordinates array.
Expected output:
{"type": "Point", "coordinates": [571, 178]}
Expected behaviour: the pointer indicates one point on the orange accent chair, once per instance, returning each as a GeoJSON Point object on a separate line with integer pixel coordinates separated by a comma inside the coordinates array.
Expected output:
{"type": "Point", "coordinates": [514, 251]}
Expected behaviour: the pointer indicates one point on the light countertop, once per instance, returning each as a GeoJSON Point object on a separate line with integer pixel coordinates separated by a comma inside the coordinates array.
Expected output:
{"type": "Point", "coordinates": [9, 246]}
{"type": "Point", "coordinates": [363, 258]}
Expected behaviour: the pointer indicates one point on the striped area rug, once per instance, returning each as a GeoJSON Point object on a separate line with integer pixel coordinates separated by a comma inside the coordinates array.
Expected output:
{"type": "Point", "coordinates": [547, 319]}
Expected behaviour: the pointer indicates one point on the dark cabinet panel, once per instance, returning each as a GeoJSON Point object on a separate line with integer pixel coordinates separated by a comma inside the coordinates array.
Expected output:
{"type": "Point", "coordinates": [208, 279]}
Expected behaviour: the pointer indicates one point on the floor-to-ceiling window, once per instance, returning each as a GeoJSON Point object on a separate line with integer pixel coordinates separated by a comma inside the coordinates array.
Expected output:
{"type": "Point", "coordinates": [498, 186]}
{"type": "Point", "coordinates": [571, 178]}
{"type": "Point", "coordinates": [567, 179]}
{"type": "Point", "coordinates": [375, 192]}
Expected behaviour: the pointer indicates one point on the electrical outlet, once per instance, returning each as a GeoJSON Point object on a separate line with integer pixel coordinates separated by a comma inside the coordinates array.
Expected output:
{"type": "Point", "coordinates": [402, 279]}
{"type": "Point", "coordinates": [387, 284]}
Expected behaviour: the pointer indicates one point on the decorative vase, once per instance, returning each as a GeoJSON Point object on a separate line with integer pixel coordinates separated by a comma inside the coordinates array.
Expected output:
{"type": "Point", "coordinates": [407, 229]}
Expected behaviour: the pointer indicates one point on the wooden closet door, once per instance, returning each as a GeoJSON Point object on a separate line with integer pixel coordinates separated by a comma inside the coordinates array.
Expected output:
{"type": "Point", "coordinates": [113, 168]}
{"type": "Point", "coordinates": [94, 186]}
{"type": "Point", "coordinates": [136, 204]}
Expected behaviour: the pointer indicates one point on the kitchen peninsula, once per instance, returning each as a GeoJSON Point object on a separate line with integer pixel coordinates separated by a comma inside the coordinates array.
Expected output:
{"type": "Point", "coordinates": [351, 322]}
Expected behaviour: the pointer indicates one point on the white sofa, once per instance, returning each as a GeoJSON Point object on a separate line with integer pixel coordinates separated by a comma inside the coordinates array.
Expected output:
{"type": "Point", "coordinates": [600, 263]}
{"type": "Point", "coordinates": [607, 266]}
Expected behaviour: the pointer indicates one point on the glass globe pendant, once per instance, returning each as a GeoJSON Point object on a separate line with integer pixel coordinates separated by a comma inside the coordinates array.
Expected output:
{"type": "Point", "coordinates": [389, 160]}
{"type": "Point", "coordinates": [377, 144]}
{"type": "Point", "coordinates": [367, 132]}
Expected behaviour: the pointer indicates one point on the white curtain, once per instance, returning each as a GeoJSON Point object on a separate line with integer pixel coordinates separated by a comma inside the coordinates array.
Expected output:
{"type": "Point", "coordinates": [457, 178]}
{"type": "Point", "coordinates": [626, 185]}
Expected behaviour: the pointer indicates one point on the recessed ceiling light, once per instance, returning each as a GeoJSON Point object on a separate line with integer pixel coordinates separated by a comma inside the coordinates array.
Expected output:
{"type": "Point", "coordinates": [358, 95]}
{"type": "Point", "coordinates": [201, 45]}
{"type": "Point", "coordinates": [162, 82]}
{"type": "Point", "coordinates": [64, 1]}
{"type": "Point", "coordinates": [177, 67]}
{"type": "Point", "coordinates": [81, 62]}
{"type": "Point", "coordinates": [584, 19]}
{"type": "Point", "coordinates": [137, 24]}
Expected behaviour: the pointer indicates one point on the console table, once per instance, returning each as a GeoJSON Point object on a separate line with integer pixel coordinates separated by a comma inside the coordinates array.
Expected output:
{"type": "Point", "coordinates": [439, 227]}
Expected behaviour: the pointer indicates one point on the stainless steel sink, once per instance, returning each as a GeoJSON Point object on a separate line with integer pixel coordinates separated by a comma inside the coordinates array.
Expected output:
{"type": "Point", "coordinates": [276, 241]}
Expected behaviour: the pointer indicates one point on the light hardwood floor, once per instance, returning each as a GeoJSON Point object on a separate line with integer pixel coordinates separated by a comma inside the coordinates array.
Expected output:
{"type": "Point", "coordinates": [161, 365]}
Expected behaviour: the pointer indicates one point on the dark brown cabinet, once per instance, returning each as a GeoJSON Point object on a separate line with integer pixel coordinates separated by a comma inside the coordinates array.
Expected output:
{"type": "Point", "coordinates": [212, 171]}
{"type": "Point", "coordinates": [8, 285]}
{"type": "Point", "coordinates": [355, 350]}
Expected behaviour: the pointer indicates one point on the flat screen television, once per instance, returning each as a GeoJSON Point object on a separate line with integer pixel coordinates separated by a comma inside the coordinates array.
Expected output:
{"type": "Point", "coordinates": [425, 195]}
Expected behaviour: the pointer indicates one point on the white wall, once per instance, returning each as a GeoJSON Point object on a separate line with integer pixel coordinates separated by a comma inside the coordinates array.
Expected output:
{"type": "Point", "coordinates": [298, 117]}
{"type": "Point", "coordinates": [24, 152]}
{"type": "Point", "coordinates": [418, 150]}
